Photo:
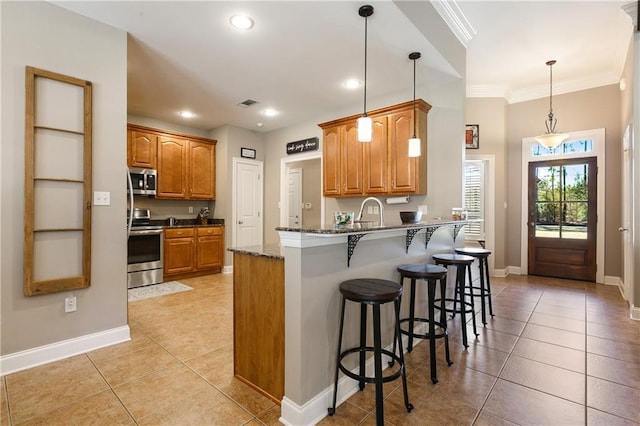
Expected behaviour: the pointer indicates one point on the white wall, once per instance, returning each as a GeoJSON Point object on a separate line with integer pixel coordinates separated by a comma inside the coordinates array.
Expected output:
{"type": "Point", "coordinates": [48, 37]}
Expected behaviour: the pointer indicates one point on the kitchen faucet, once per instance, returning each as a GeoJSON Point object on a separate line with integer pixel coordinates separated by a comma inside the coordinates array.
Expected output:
{"type": "Point", "coordinates": [359, 217]}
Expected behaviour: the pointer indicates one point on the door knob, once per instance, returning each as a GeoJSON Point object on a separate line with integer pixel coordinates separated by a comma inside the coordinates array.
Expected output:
{"type": "Point", "coordinates": [621, 229]}
{"type": "Point", "coordinates": [240, 222]}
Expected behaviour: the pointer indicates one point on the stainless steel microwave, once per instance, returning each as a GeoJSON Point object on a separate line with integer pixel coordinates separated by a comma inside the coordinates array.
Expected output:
{"type": "Point", "coordinates": [142, 181]}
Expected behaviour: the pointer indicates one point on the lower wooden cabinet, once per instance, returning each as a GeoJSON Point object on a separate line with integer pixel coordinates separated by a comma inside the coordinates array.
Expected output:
{"type": "Point", "coordinates": [210, 248]}
{"type": "Point", "coordinates": [193, 251]}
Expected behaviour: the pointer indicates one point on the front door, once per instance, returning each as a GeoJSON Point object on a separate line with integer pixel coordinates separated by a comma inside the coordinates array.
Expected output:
{"type": "Point", "coordinates": [562, 218]}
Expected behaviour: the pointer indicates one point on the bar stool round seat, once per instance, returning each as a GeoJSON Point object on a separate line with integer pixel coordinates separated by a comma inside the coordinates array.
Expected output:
{"type": "Point", "coordinates": [483, 291]}
{"type": "Point", "coordinates": [374, 292]}
{"type": "Point", "coordinates": [430, 274]}
{"type": "Point", "coordinates": [462, 263]}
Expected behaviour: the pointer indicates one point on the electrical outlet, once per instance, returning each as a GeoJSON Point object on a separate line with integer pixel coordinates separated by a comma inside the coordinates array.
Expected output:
{"type": "Point", "coordinates": [423, 209]}
{"type": "Point", "coordinates": [70, 304]}
{"type": "Point", "coordinates": [376, 210]}
{"type": "Point", "coordinates": [190, 209]}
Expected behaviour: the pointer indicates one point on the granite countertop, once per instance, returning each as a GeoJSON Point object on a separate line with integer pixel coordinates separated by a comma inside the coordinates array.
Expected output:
{"type": "Point", "coordinates": [187, 223]}
{"type": "Point", "coordinates": [371, 226]}
{"type": "Point", "coordinates": [274, 251]}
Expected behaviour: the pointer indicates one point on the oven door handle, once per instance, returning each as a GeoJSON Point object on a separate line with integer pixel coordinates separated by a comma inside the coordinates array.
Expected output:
{"type": "Point", "coordinates": [146, 232]}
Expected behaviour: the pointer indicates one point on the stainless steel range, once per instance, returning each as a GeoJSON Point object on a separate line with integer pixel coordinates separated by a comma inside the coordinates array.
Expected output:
{"type": "Point", "coordinates": [144, 251]}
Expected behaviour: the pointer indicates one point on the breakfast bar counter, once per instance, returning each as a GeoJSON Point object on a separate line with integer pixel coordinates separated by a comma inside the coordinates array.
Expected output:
{"type": "Point", "coordinates": [316, 260]}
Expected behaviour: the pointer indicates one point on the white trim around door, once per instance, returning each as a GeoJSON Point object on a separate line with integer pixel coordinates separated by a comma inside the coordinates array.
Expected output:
{"type": "Point", "coordinates": [284, 220]}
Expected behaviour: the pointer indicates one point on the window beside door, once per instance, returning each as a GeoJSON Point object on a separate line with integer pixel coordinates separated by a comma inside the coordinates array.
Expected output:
{"type": "Point", "coordinates": [474, 198]}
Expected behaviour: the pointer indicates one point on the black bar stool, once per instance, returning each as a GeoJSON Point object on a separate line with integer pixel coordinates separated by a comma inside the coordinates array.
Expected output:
{"type": "Point", "coordinates": [430, 274]}
{"type": "Point", "coordinates": [374, 292]}
{"type": "Point", "coordinates": [483, 291]}
{"type": "Point", "coordinates": [462, 264]}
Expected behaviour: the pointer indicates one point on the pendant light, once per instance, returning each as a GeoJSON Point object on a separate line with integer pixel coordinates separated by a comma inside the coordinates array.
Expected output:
{"type": "Point", "coordinates": [551, 139]}
{"type": "Point", "coordinates": [414, 142]}
{"type": "Point", "coordinates": [365, 125]}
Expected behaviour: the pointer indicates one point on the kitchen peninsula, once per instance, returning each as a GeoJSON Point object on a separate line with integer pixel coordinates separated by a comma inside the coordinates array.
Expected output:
{"type": "Point", "coordinates": [316, 261]}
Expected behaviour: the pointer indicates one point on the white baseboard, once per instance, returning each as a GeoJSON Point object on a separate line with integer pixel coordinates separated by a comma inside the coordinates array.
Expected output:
{"type": "Point", "coordinates": [227, 269]}
{"type": "Point", "coordinates": [515, 270]}
{"type": "Point", "coordinates": [501, 273]}
{"type": "Point", "coordinates": [314, 410]}
{"type": "Point", "coordinates": [635, 313]}
{"type": "Point", "coordinates": [609, 280]}
{"type": "Point", "coordinates": [23, 360]}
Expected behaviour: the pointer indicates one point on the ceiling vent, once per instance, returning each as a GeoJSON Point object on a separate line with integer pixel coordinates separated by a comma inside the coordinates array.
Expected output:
{"type": "Point", "coordinates": [247, 103]}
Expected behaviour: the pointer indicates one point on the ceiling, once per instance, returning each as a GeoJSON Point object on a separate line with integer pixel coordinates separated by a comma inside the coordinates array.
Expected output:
{"type": "Point", "coordinates": [186, 56]}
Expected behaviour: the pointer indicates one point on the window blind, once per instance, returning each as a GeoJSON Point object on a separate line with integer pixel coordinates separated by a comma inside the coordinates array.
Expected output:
{"type": "Point", "coordinates": [474, 198]}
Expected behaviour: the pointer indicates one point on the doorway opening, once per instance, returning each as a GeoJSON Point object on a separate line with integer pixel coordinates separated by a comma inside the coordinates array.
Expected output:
{"type": "Point", "coordinates": [301, 191]}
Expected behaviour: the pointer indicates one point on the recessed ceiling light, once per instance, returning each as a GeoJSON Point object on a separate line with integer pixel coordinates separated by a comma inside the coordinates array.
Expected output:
{"type": "Point", "coordinates": [352, 83]}
{"type": "Point", "coordinates": [241, 22]}
{"type": "Point", "coordinates": [259, 124]}
{"type": "Point", "coordinates": [270, 112]}
{"type": "Point", "coordinates": [186, 114]}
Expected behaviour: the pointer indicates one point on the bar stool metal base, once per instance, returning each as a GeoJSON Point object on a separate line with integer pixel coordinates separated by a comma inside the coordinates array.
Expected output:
{"type": "Point", "coordinates": [430, 274]}
{"type": "Point", "coordinates": [462, 263]}
{"type": "Point", "coordinates": [374, 292]}
{"type": "Point", "coordinates": [483, 291]}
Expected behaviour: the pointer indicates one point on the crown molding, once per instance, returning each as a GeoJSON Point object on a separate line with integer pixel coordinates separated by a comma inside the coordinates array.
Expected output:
{"type": "Point", "coordinates": [632, 10]}
{"type": "Point", "coordinates": [455, 19]}
{"type": "Point", "coordinates": [529, 94]}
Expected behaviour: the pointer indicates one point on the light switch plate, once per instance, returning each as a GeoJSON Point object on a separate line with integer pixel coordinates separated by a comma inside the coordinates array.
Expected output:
{"type": "Point", "coordinates": [101, 198]}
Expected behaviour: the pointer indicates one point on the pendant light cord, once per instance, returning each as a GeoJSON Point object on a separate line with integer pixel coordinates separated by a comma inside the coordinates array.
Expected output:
{"type": "Point", "coordinates": [366, 19]}
{"type": "Point", "coordinates": [414, 98]}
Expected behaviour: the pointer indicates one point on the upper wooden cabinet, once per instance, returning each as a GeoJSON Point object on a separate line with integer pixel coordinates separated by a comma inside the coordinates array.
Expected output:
{"type": "Point", "coordinates": [201, 170]}
{"type": "Point", "coordinates": [186, 164]}
{"type": "Point", "coordinates": [342, 161]}
{"type": "Point", "coordinates": [379, 167]}
{"type": "Point", "coordinates": [172, 167]}
{"type": "Point", "coordinates": [141, 149]}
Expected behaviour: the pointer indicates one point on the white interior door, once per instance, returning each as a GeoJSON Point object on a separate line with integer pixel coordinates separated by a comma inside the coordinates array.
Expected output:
{"type": "Point", "coordinates": [248, 193]}
{"type": "Point", "coordinates": [627, 225]}
{"type": "Point", "coordinates": [294, 197]}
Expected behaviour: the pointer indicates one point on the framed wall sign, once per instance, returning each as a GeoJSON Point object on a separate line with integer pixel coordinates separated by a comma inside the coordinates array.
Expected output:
{"type": "Point", "coordinates": [304, 145]}
{"type": "Point", "coordinates": [247, 153]}
{"type": "Point", "coordinates": [472, 136]}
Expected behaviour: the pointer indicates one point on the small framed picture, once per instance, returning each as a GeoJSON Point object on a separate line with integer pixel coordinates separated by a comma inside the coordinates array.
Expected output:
{"type": "Point", "coordinates": [472, 136]}
{"type": "Point", "coordinates": [247, 153]}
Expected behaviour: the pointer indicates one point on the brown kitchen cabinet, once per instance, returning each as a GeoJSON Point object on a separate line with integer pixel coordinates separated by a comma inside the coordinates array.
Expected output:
{"type": "Point", "coordinates": [141, 149]}
{"type": "Point", "coordinates": [186, 169]}
{"type": "Point", "coordinates": [179, 250]}
{"type": "Point", "coordinates": [341, 149]}
{"type": "Point", "coordinates": [193, 251]}
{"type": "Point", "coordinates": [201, 170]}
{"type": "Point", "coordinates": [186, 164]}
{"type": "Point", "coordinates": [379, 167]}
{"type": "Point", "coordinates": [210, 247]}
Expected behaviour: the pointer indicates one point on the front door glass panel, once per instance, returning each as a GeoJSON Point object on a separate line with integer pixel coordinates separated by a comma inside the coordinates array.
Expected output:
{"type": "Point", "coordinates": [562, 201]}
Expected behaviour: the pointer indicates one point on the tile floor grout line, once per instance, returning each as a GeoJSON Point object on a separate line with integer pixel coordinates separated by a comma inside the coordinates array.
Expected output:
{"type": "Point", "coordinates": [586, 373]}
{"type": "Point", "coordinates": [504, 365]}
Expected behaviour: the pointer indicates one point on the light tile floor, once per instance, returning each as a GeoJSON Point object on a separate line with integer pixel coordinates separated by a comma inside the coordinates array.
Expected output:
{"type": "Point", "coordinates": [556, 352]}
